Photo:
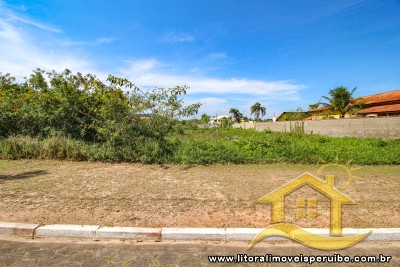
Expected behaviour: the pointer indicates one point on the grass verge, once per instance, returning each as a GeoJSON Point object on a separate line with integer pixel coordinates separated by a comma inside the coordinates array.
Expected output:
{"type": "Point", "coordinates": [215, 145]}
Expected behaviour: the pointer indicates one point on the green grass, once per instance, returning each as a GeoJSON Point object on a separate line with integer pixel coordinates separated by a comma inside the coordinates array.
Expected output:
{"type": "Point", "coordinates": [215, 145]}
{"type": "Point", "coordinates": [219, 145]}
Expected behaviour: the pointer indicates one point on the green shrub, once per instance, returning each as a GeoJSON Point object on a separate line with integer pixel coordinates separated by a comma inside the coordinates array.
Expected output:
{"type": "Point", "coordinates": [20, 147]}
{"type": "Point", "coordinates": [249, 146]}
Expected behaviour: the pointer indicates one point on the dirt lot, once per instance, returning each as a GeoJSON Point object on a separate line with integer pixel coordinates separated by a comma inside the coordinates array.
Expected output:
{"type": "Point", "coordinates": [51, 192]}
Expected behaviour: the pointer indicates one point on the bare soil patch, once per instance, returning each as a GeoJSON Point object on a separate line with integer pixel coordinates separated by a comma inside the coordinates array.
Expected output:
{"type": "Point", "coordinates": [52, 192]}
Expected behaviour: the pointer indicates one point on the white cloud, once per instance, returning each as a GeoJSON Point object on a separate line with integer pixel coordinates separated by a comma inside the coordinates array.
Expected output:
{"type": "Point", "coordinates": [216, 56]}
{"type": "Point", "coordinates": [151, 73]}
{"type": "Point", "coordinates": [178, 37]}
{"type": "Point", "coordinates": [22, 51]}
{"type": "Point", "coordinates": [141, 67]}
{"type": "Point", "coordinates": [96, 42]}
{"type": "Point", "coordinates": [237, 92]}
{"type": "Point", "coordinates": [8, 15]}
{"type": "Point", "coordinates": [13, 17]}
{"type": "Point", "coordinates": [210, 105]}
{"type": "Point", "coordinates": [211, 101]}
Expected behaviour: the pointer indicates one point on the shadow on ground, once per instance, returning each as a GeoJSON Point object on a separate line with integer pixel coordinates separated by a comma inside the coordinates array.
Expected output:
{"type": "Point", "coordinates": [23, 175]}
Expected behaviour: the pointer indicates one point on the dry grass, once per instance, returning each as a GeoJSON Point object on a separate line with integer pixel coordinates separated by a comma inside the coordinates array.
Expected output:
{"type": "Point", "coordinates": [178, 195]}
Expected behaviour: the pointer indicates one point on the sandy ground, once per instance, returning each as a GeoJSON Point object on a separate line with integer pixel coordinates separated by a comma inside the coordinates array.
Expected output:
{"type": "Point", "coordinates": [108, 194]}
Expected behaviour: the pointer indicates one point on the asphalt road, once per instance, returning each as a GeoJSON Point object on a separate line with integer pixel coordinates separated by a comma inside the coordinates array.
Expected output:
{"type": "Point", "coordinates": [27, 252]}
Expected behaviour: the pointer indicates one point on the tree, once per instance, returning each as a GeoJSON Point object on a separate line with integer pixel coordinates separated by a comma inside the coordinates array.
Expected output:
{"type": "Point", "coordinates": [205, 119]}
{"type": "Point", "coordinates": [258, 110]}
{"type": "Point", "coordinates": [315, 105]}
{"type": "Point", "coordinates": [340, 99]}
{"type": "Point", "coordinates": [225, 122]}
{"type": "Point", "coordinates": [237, 116]}
{"type": "Point", "coordinates": [84, 108]}
{"type": "Point", "coordinates": [296, 115]}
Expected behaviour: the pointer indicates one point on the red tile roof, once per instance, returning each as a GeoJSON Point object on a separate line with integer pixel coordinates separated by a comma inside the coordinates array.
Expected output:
{"type": "Point", "coordinates": [319, 109]}
{"type": "Point", "coordinates": [382, 98]}
{"type": "Point", "coordinates": [381, 109]}
{"type": "Point", "coordinates": [309, 118]}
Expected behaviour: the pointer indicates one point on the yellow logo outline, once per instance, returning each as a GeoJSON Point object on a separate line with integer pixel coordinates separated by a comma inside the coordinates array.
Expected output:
{"type": "Point", "coordinates": [279, 228]}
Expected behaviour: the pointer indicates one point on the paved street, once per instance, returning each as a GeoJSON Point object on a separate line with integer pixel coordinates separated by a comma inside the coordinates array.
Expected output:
{"type": "Point", "coordinates": [25, 252]}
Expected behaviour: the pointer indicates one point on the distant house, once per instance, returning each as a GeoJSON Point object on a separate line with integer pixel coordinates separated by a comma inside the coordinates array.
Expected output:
{"type": "Point", "coordinates": [385, 104]}
{"type": "Point", "coordinates": [324, 112]}
{"type": "Point", "coordinates": [378, 105]}
{"type": "Point", "coordinates": [216, 121]}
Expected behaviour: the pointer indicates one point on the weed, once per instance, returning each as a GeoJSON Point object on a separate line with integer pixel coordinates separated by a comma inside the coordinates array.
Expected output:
{"type": "Point", "coordinates": [208, 146]}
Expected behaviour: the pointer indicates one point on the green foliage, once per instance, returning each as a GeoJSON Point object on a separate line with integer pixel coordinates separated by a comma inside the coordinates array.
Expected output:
{"type": "Point", "coordinates": [76, 117]}
{"type": "Point", "coordinates": [225, 122]}
{"type": "Point", "coordinates": [228, 145]}
{"type": "Point", "coordinates": [340, 99]}
{"type": "Point", "coordinates": [258, 110]}
{"type": "Point", "coordinates": [355, 106]}
{"type": "Point", "coordinates": [236, 114]}
{"type": "Point", "coordinates": [212, 145]}
{"type": "Point", "coordinates": [296, 115]}
{"type": "Point", "coordinates": [83, 108]}
{"type": "Point", "coordinates": [315, 105]}
{"type": "Point", "coordinates": [25, 147]}
{"type": "Point", "coordinates": [205, 119]}
{"type": "Point", "coordinates": [328, 114]}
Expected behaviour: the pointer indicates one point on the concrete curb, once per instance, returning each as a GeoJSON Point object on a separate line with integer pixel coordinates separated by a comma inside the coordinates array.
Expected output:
{"type": "Point", "coordinates": [123, 233]}
{"type": "Point", "coordinates": [66, 230]}
{"type": "Point", "coordinates": [18, 229]}
{"type": "Point", "coordinates": [96, 232]}
{"type": "Point", "coordinates": [209, 234]}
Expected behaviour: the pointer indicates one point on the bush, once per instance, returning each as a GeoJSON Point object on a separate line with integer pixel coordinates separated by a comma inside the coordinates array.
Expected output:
{"type": "Point", "coordinates": [20, 147]}
{"type": "Point", "coordinates": [79, 117]}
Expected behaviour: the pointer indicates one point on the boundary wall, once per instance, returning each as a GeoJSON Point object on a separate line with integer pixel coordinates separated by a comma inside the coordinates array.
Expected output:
{"type": "Point", "coordinates": [384, 127]}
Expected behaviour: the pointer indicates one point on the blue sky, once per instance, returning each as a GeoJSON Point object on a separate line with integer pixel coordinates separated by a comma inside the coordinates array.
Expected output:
{"type": "Point", "coordinates": [284, 54]}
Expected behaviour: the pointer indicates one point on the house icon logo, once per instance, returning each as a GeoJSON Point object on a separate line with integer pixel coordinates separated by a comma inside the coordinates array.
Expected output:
{"type": "Point", "coordinates": [335, 240]}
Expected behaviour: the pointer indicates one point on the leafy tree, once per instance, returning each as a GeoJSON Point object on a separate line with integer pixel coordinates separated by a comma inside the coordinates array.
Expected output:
{"type": "Point", "coordinates": [313, 106]}
{"type": "Point", "coordinates": [225, 122]}
{"type": "Point", "coordinates": [245, 119]}
{"type": "Point", "coordinates": [205, 119]}
{"type": "Point", "coordinates": [340, 99]}
{"type": "Point", "coordinates": [295, 115]}
{"type": "Point", "coordinates": [257, 109]}
{"type": "Point", "coordinates": [84, 108]}
{"type": "Point", "coordinates": [355, 106]}
{"type": "Point", "coordinates": [237, 116]}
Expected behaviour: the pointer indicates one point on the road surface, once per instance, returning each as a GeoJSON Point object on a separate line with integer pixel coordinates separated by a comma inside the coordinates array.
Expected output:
{"type": "Point", "coordinates": [28, 252]}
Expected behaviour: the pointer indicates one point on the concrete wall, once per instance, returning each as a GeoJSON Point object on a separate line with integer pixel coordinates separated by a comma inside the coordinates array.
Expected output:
{"type": "Point", "coordinates": [387, 127]}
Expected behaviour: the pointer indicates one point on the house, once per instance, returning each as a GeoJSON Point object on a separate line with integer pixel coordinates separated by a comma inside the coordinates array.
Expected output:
{"type": "Point", "coordinates": [216, 121]}
{"type": "Point", "coordinates": [326, 188]}
{"type": "Point", "coordinates": [324, 112]}
{"type": "Point", "coordinates": [377, 105]}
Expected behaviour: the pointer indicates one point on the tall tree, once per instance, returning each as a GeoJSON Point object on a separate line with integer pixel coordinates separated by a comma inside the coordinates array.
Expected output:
{"type": "Point", "coordinates": [237, 116]}
{"type": "Point", "coordinates": [257, 109]}
{"type": "Point", "coordinates": [340, 99]}
{"type": "Point", "coordinates": [313, 106]}
{"type": "Point", "coordinates": [205, 119]}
